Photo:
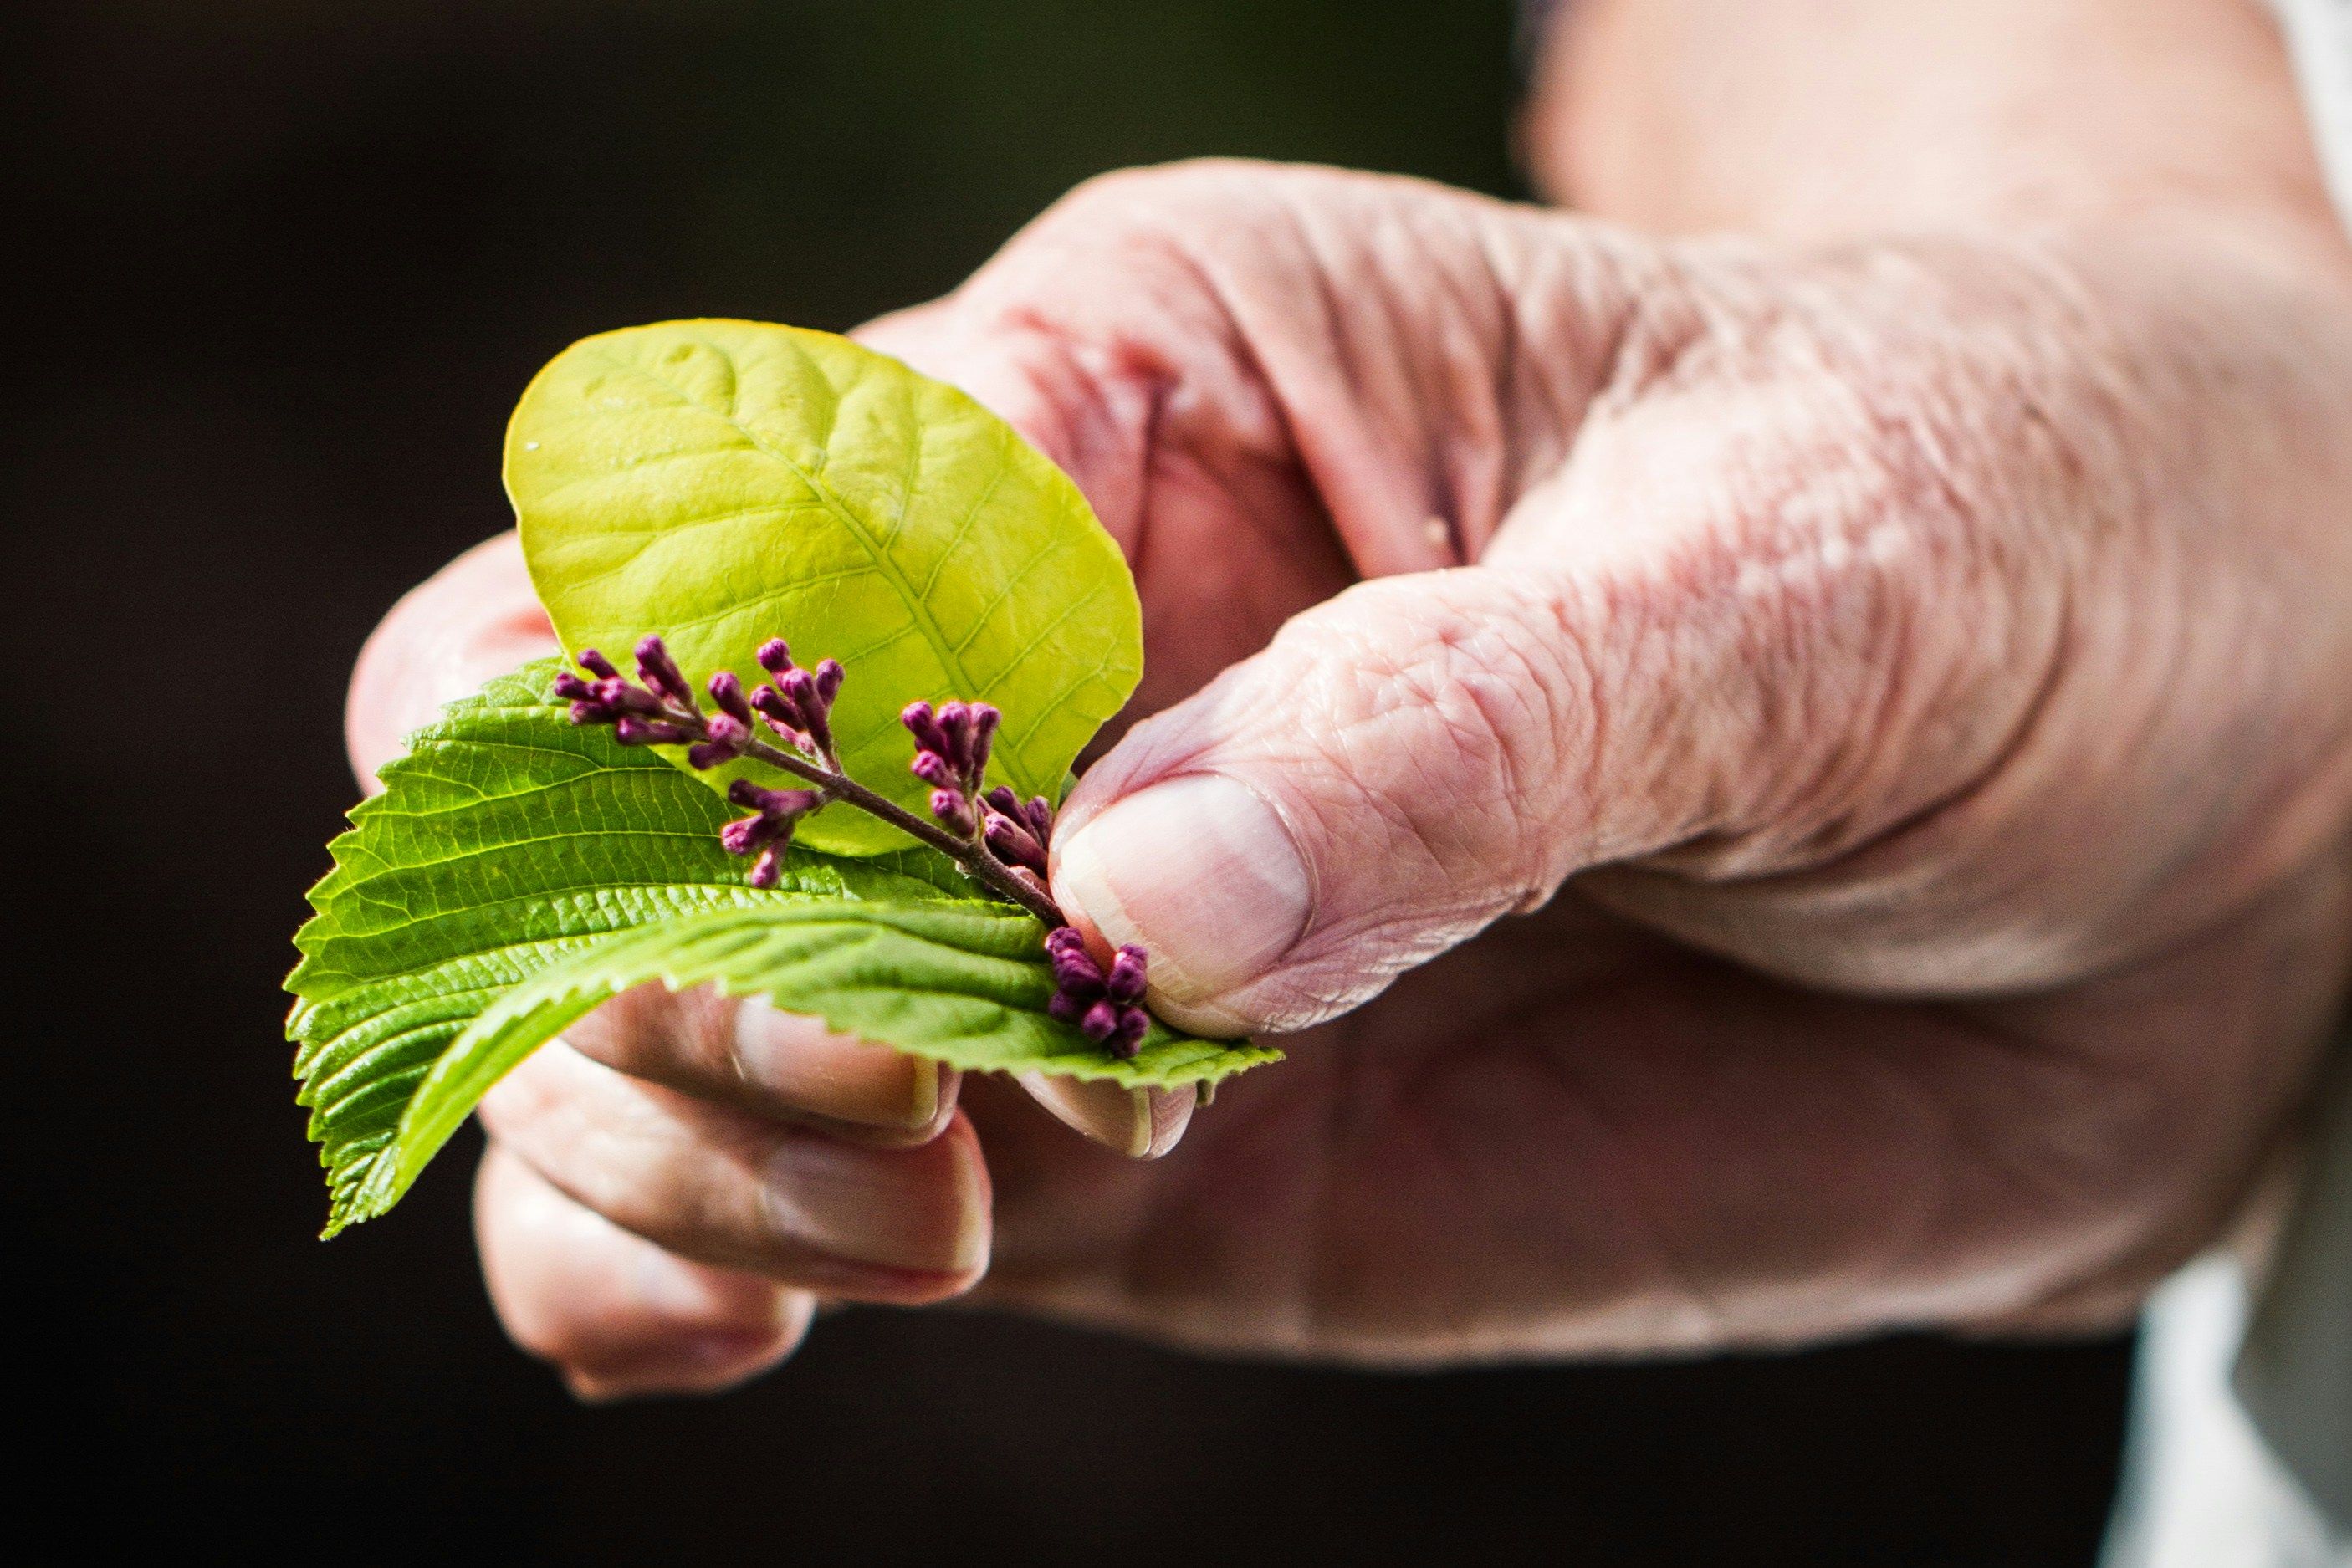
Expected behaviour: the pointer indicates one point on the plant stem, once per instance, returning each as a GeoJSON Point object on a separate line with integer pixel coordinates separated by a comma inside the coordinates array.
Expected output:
{"type": "Point", "coordinates": [969, 853]}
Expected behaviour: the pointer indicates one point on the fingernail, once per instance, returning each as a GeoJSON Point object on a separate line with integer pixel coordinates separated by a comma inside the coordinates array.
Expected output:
{"type": "Point", "coordinates": [1201, 872]}
{"type": "Point", "coordinates": [923, 1210]}
{"type": "Point", "coordinates": [839, 1076]}
{"type": "Point", "coordinates": [1142, 1124]}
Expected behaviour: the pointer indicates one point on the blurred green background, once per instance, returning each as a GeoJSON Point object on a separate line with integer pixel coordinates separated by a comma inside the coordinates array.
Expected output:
{"type": "Point", "coordinates": [288, 265]}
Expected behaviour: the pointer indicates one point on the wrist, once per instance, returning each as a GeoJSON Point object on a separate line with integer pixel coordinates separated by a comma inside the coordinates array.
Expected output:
{"type": "Point", "coordinates": [2009, 117]}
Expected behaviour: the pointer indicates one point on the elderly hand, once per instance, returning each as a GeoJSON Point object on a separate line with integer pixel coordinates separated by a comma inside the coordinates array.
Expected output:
{"type": "Point", "coordinates": [1771, 792]}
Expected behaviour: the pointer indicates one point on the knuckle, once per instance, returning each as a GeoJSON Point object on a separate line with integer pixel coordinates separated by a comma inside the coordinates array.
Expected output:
{"type": "Point", "coordinates": [534, 1092]}
{"type": "Point", "coordinates": [1863, 579]}
{"type": "Point", "coordinates": [1163, 196]}
{"type": "Point", "coordinates": [1458, 713]}
{"type": "Point", "coordinates": [653, 1032]}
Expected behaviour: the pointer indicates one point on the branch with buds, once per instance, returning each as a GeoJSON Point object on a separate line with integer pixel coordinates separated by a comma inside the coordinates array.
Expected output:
{"type": "Point", "coordinates": [999, 839]}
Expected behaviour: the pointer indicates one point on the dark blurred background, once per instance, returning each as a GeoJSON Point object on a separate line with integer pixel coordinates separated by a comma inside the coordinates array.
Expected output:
{"type": "Point", "coordinates": [283, 268]}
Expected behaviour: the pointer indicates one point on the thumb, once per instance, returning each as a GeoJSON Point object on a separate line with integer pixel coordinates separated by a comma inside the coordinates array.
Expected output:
{"type": "Point", "coordinates": [1400, 767]}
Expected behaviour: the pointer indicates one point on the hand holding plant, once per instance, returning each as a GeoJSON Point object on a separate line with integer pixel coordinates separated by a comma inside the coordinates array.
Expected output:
{"type": "Point", "coordinates": [1612, 705]}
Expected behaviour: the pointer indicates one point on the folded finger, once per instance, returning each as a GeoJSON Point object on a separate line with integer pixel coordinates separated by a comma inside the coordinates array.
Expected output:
{"type": "Point", "coordinates": [746, 1054]}
{"type": "Point", "coordinates": [713, 1183]}
{"type": "Point", "coordinates": [616, 1314]}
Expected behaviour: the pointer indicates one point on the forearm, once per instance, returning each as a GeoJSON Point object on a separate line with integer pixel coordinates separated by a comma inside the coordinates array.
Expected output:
{"type": "Point", "coordinates": [1818, 119]}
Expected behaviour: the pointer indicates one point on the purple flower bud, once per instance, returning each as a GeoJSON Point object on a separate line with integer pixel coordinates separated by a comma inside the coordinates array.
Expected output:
{"type": "Point", "coordinates": [596, 665]}
{"type": "Point", "coordinates": [1125, 981]}
{"type": "Point", "coordinates": [1101, 1021]}
{"type": "Point", "coordinates": [955, 725]}
{"type": "Point", "coordinates": [745, 834]}
{"type": "Point", "coordinates": [932, 769]}
{"type": "Point", "coordinates": [728, 693]}
{"type": "Point", "coordinates": [984, 720]}
{"type": "Point", "coordinates": [1064, 937]}
{"type": "Point", "coordinates": [1125, 1041]}
{"type": "Point", "coordinates": [1039, 815]}
{"type": "Point", "coordinates": [591, 713]}
{"type": "Point", "coordinates": [953, 811]}
{"type": "Point", "coordinates": [630, 730]}
{"type": "Point", "coordinates": [658, 671]}
{"type": "Point", "coordinates": [781, 715]}
{"type": "Point", "coordinates": [800, 690]}
{"type": "Point", "coordinates": [1074, 970]}
{"type": "Point", "coordinates": [724, 739]}
{"type": "Point", "coordinates": [1006, 801]}
{"type": "Point", "coordinates": [1067, 1008]}
{"type": "Point", "coordinates": [828, 679]}
{"type": "Point", "coordinates": [1012, 842]}
{"type": "Point", "coordinates": [622, 697]}
{"type": "Point", "coordinates": [767, 871]}
{"type": "Point", "coordinates": [572, 689]}
{"type": "Point", "coordinates": [775, 655]}
{"type": "Point", "coordinates": [792, 803]}
{"type": "Point", "coordinates": [924, 726]}
{"type": "Point", "coordinates": [780, 805]}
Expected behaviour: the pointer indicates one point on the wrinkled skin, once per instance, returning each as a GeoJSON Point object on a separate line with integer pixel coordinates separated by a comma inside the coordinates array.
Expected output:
{"type": "Point", "coordinates": [1845, 756]}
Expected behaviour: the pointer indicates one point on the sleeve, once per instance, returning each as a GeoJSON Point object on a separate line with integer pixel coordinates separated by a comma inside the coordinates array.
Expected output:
{"type": "Point", "coordinates": [2240, 1447]}
{"type": "Point", "coordinates": [2294, 1372]}
{"type": "Point", "coordinates": [2319, 35]}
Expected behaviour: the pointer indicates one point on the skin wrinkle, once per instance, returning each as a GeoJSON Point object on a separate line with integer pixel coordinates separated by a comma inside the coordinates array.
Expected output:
{"type": "Point", "coordinates": [1470, 528]}
{"type": "Point", "coordinates": [1324, 1275]}
{"type": "Point", "coordinates": [1754, 1321]}
{"type": "Point", "coordinates": [1567, 408]}
{"type": "Point", "coordinates": [1477, 453]}
{"type": "Point", "coordinates": [1321, 453]}
{"type": "Point", "coordinates": [1455, 409]}
{"type": "Point", "coordinates": [2329, 891]}
{"type": "Point", "coordinates": [1979, 1152]}
{"type": "Point", "coordinates": [1448, 691]}
{"type": "Point", "coordinates": [1377, 374]}
{"type": "Point", "coordinates": [1501, 723]}
{"type": "Point", "coordinates": [1812, 544]}
{"type": "Point", "coordinates": [1246, 352]}
{"type": "Point", "coordinates": [1709, 1322]}
{"type": "Point", "coordinates": [1899, 654]}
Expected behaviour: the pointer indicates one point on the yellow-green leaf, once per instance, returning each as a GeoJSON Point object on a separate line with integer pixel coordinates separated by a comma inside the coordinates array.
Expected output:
{"type": "Point", "coordinates": [724, 482]}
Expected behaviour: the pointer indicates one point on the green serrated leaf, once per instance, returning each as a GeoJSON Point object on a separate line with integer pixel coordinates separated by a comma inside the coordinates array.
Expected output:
{"type": "Point", "coordinates": [723, 482]}
{"type": "Point", "coordinates": [505, 842]}
{"type": "Point", "coordinates": [965, 983]}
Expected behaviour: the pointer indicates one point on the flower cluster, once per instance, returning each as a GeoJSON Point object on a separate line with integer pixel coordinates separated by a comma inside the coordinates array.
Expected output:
{"type": "Point", "coordinates": [796, 704]}
{"type": "Point", "coordinates": [1106, 1007]}
{"type": "Point", "coordinates": [660, 708]}
{"type": "Point", "coordinates": [997, 838]}
{"type": "Point", "coordinates": [767, 831]}
{"type": "Point", "coordinates": [639, 713]}
{"type": "Point", "coordinates": [951, 748]}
